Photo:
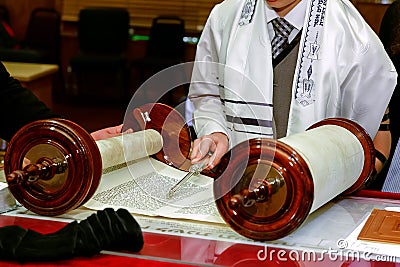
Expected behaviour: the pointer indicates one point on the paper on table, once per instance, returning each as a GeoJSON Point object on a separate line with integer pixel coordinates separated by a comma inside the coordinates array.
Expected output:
{"type": "Point", "coordinates": [7, 201]}
{"type": "Point", "coordinates": [142, 188]}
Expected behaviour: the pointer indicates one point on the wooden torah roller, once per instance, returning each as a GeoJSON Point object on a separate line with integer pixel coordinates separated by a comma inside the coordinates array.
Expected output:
{"type": "Point", "coordinates": [282, 181]}
{"type": "Point", "coordinates": [172, 127]}
{"type": "Point", "coordinates": [54, 166]}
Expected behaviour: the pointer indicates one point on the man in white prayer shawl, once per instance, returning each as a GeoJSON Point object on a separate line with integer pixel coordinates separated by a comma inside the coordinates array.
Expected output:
{"type": "Point", "coordinates": [334, 66]}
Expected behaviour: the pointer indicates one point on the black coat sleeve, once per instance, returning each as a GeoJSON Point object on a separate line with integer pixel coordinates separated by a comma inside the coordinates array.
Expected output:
{"type": "Point", "coordinates": [18, 106]}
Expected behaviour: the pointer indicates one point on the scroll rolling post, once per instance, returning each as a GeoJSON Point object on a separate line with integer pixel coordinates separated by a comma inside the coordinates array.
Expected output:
{"type": "Point", "coordinates": [172, 127]}
{"type": "Point", "coordinates": [266, 189]}
{"type": "Point", "coordinates": [64, 167]}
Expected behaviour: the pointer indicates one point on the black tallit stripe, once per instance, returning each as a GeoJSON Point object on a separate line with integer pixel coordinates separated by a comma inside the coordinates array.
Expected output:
{"type": "Point", "coordinates": [246, 103]}
{"type": "Point", "coordinates": [249, 121]}
{"type": "Point", "coordinates": [257, 133]}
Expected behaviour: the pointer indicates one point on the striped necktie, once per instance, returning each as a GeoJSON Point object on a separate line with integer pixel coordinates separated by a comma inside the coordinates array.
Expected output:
{"type": "Point", "coordinates": [392, 181]}
{"type": "Point", "coordinates": [280, 41]}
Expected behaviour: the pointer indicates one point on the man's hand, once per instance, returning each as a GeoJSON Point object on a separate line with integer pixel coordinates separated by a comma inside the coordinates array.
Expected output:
{"type": "Point", "coordinates": [109, 132]}
{"type": "Point", "coordinates": [215, 143]}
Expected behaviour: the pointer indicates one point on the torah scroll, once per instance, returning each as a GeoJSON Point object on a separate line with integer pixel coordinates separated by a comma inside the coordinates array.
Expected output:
{"type": "Point", "coordinates": [128, 147]}
{"type": "Point", "coordinates": [53, 166]}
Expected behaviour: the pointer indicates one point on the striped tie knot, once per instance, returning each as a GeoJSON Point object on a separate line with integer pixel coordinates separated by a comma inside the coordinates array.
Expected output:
{"type": "Point", "coordinates": [282, 30]}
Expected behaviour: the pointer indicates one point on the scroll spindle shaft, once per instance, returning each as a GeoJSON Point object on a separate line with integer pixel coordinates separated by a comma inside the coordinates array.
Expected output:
{"type": "Point", "coordinates": [44, 169]}
{"type": "Point", "coordinates": [262, 193]}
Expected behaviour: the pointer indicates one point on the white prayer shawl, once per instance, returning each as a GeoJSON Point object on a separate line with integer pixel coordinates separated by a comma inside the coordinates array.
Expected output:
{"type": "Point", "coordinates": [342, 71]}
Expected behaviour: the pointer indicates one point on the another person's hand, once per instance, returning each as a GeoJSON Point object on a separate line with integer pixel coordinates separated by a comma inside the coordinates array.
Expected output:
{"type": "Point", "coordinates": [215, 143]}
{"type": "Point", "coordinates": [108, 132]}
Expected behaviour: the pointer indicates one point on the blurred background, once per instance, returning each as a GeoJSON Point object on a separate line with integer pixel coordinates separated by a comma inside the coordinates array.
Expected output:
{"type": "Point", "coordinates": [103, 50]}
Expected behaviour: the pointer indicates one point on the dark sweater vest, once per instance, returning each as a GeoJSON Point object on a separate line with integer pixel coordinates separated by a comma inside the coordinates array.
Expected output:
{"type": "Point", "coordinates": [282, 95]}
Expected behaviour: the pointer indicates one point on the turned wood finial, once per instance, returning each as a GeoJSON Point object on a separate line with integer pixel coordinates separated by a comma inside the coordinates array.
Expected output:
{"type": "Point", "coordinates": [63, 170]}
{"type": "Point", "coordinates": [44, 169]}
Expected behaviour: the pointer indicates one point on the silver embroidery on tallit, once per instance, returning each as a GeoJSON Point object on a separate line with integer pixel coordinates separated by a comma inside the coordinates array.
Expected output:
{"type": "Point", "coordinates": [305, 87]}
{"type": "Point", "coordinates": [247, 12]}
